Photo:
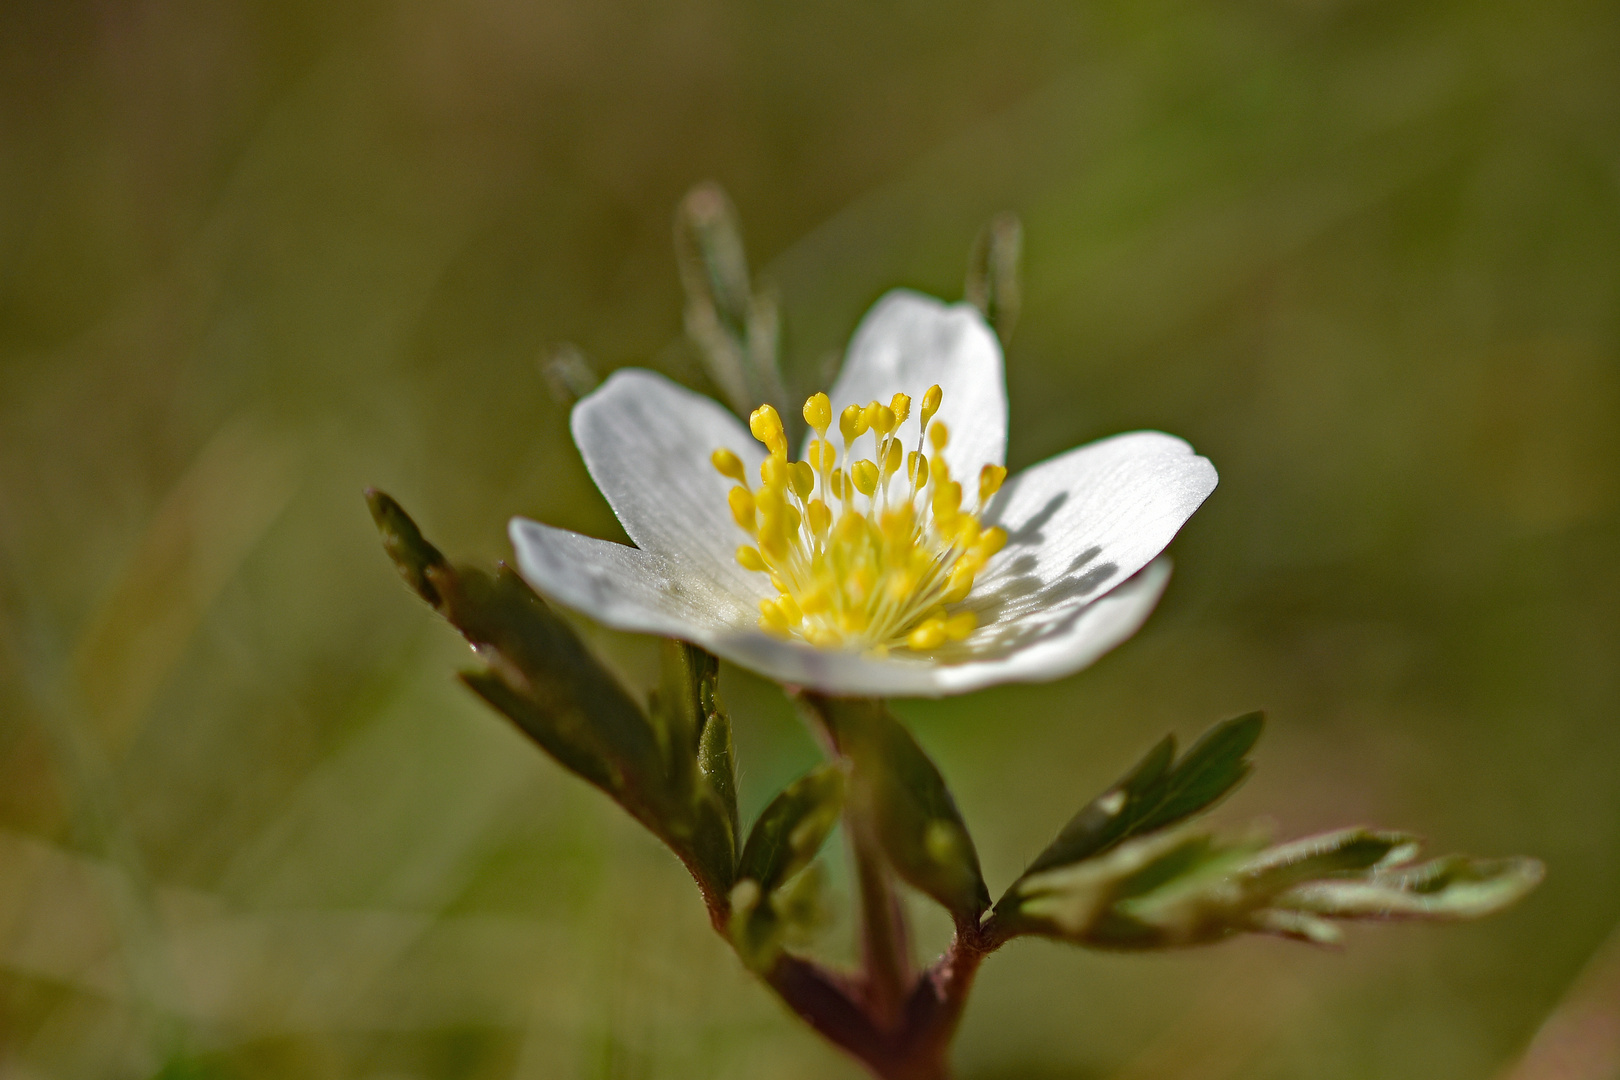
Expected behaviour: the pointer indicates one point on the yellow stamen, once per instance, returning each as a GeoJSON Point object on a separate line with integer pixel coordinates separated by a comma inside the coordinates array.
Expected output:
{"type": "Point", "coordinates": [856, 559]}
{"type": "Point", "coordinates": [818, 412]}
{"type": "Point", "coordinates": [991, 478]}
{"type": "Point", "coordinates": [728, 465]}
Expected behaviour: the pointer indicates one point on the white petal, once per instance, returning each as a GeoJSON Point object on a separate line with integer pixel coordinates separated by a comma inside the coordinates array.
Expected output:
{"type": "Point", "coordinates": [629, 589]}
{"type": "Point", "coordinates": [646, 442]}
{"type": "Point", "coordinates": [623, 587]}
{"type": "Point", "coordinates": [1058, 643]}
{"type": "Point", "coordinates": [907, 343]}
{"type": "Point", "coordinates": [1080, 523]}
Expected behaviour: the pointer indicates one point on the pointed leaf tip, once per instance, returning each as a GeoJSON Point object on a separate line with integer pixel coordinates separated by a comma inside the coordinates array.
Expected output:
{"type": "Point", "coordinates": [1160, 791]}
{"type": "Point", "coordinates": [410, 551]}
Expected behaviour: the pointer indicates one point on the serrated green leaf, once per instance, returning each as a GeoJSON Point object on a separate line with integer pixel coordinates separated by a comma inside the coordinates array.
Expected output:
{"type": "Point", "coordinates": [1451, 887]}
{"type": "Point", "coordinates": [1159, 792]}
{"type": "Point", "coordinates": [792, 828]}
{"type": "Point", "coordinates": [1169, 889]}
{"type": "Point", "coordinates": [917, 822]}
{"type": "Point", "coordinates": [1208, 772]}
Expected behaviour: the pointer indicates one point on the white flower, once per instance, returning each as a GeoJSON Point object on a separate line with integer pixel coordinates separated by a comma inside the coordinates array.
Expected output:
{"type": "Point", "coordinates": [860, 573]}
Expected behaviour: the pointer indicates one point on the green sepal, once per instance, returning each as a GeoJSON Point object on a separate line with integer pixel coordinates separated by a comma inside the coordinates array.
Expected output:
{"type": "Point", "coordinates": [1159, 792]}
{"type": "Point", "coordinates": [918, 824]}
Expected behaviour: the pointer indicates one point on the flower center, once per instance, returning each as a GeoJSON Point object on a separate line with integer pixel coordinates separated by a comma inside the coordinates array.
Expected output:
{"type": "Point", "coordinates": [863, 552]}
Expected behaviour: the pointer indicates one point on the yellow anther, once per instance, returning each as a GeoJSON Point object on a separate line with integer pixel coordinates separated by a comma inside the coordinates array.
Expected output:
{"type": "Point", "coordinates": [990, 481]}
{"type": "Point", "coordinates": [767, 428]}
{"type": "Point", "coordinates": [892, 458]}
{"type": "Point", "coordinates": [852, 423]}
{"type": "Point", "coordinates": [878, 575]}
{"type": "Point", "coordinates": [804, 479]}
{"type": "Point", "coordinates": [773, 472]}
{"type": "Point", "coordinates": [818, 412]}
{"type": "Point", "coordinates": [930, 404]}
{"type": "Point", "coordinates": [865, 475]}
{"type": "Point", "coordinates": [772, 621]}
{"type": "Point", "coordinates": [897, 524]}
{"type": "Point", "coordinates": [815, 601]}
{"type": "Point", "coordinates": [959, 584]}
{"type": "Point", "coordinates": [742, 508]}
{"type": "Point", "coordinates": [967, 531]}
{"type": "Point", "coordinates": [729, 465]}
{"type": "Point", "coordinates": [917, 469]}
{"type": "Point", "coordinates": [930, 635]}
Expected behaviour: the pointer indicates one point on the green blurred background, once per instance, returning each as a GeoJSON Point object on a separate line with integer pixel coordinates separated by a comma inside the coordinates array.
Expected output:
{"type": "Point", "coordinates": [257, 254]}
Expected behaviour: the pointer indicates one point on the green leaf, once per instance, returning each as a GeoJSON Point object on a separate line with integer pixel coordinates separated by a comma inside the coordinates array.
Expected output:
{"type": "Point", "coordinates": [717, 765]}
{"type": "Point", "coordinates": [917, 822]}
{"type": "Point", "coordinates": [1170, 889]}
{"type": "Point", "coordinates": [774, 896]}
{"type": "Point", "coordinates": [793, 827]}
{"type": "Point", "coordinates": [540, 659]}
{"type": "Point", "coordinates": [1159, 792]}
{"type": "Point", "coordinates": [672, 771]}
{"type": "Point", "coordinates": [412, 554]}
{"type": "Point", "coordinates": [1451, 887]}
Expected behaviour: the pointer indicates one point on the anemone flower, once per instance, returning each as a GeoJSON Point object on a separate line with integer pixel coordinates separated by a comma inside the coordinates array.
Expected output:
{"type": "Point", "coordinates": [894, 557]}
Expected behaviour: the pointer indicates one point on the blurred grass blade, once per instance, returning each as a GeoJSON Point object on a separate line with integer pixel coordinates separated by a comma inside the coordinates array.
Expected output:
{"type": "Point", "coordinates": [918, 824]}
{"type": "Point", "coordinates": [198, 539]}
{"type": "Point", "coordinates": [993, 278]}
